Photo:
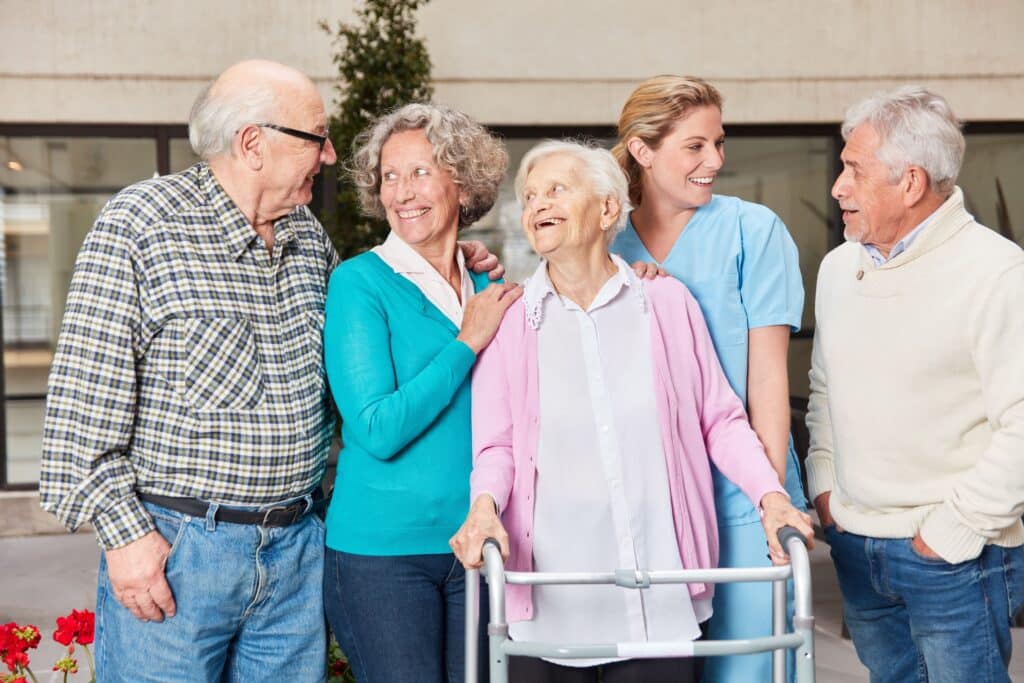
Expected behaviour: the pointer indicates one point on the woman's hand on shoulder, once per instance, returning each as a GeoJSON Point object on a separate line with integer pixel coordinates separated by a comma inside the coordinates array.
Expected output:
{"type": "Point", "coordinates": [480, 260]}
{"type": "Point", "coordinates": [483, 314]}
{"type": "Point", "coordinates": [777, 512]}
{"type": "Point", "coordinates": [648, 271]}
{"type": "Point", "coordinates": [481, 523]}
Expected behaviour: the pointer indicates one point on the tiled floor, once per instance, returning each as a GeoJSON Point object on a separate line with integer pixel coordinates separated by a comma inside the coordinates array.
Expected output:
{"type": "Point", "coordinates": [42, 577]}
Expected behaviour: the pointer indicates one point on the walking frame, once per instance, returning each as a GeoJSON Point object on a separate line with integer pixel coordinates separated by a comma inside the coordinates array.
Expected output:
{"type": "Point", "coordinates": [801, 638]}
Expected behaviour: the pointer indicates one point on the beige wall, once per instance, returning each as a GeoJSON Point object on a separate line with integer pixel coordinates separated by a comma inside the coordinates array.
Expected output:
{"type": "Point", "coordinates": [527, 61]}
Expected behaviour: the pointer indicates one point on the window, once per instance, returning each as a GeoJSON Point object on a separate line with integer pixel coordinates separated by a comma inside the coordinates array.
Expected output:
{"type": "Point", "coordinates": [51, 189]}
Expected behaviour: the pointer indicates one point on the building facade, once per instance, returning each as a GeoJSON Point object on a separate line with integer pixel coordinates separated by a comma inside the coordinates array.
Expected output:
{"type": "Point", "coordinates": [95, 97]}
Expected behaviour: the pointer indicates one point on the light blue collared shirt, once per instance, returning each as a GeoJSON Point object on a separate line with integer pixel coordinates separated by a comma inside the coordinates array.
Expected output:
{"type": "Point", "coordinates": [900, 247]}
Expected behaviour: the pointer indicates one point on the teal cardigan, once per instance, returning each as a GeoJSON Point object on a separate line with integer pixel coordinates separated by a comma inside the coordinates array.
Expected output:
{"type": "Point", "coordinates": [401, 382]}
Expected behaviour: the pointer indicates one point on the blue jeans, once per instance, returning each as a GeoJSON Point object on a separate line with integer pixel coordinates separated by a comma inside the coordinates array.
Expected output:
{"type": "Point", "coordinates": [249, 607]}
{"type": "Point", "coordinates": [401, 619]}
{"type": "Point", "coordinates": [914, 618]}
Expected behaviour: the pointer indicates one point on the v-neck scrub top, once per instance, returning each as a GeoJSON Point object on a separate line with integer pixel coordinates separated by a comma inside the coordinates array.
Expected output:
{"type": "Point", "coordinates": [740, 263]}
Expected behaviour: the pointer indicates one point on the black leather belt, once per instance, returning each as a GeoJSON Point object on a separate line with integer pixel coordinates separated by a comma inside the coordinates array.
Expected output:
{"type": "Point", "coordinates": [272, 517]}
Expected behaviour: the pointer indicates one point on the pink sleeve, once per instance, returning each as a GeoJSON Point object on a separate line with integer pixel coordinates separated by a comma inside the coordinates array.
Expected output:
{"type": "Point", "coordinates": [730, 441]}
{"type": "Point", "coordinates": [493, 467]}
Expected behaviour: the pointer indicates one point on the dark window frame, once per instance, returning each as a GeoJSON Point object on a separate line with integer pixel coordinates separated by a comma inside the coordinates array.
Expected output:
{"type": "Point", "coordinates": [162, 134]}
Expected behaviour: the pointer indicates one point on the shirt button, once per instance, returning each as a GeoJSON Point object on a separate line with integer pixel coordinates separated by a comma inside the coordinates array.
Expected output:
{"type": "Point", "coordinates": [860, 274]}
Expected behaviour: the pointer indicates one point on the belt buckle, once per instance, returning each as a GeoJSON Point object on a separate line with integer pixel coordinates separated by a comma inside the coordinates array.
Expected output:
{"type": "Point", "coordinates": [295, 510]}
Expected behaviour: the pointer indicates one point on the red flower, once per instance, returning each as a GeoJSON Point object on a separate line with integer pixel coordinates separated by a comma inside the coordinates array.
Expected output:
{"type": "Point", "coordinates": [67, 628]}
{"type": "Point", "coordinates": [28, 635]}
{"type": "Point", "coordinates": [339, 667]}
{"type": "Point", "coordinates": [86, 626]}
{"type": "Point", "coordinates": [76, 627]}
{"type": "Point", "coordinates": [15, 659]}
{"type": "Point", "coordinates": [15, 642]}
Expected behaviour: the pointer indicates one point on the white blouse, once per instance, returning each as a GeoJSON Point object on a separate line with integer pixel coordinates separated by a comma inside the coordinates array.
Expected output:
{"type": "Point", "coordinates": [408, 263]}
{"type": "Point", "coordinates": [602, 498]}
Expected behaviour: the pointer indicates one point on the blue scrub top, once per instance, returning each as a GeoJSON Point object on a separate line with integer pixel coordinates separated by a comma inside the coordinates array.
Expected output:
{"type": "Point", "coordinates": [740, 263]}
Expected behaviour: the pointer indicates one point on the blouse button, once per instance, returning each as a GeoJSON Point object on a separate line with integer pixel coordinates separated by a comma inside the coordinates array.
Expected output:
{"type": "Point", "coordinates": [860, 274]}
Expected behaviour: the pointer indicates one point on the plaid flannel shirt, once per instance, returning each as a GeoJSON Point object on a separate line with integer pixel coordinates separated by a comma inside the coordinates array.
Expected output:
{"type": "Point", "coordinates": [189, 361]}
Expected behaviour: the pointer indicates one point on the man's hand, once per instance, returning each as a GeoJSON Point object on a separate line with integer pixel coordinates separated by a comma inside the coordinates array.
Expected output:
{"type": "Point", "coordinates": [479, 260]}
{"type": "Point", "coordinates": [922, 548]}
{"type": "Point", "coordinates": [136, 572]}
{"type": "Point", "coordinates": [824, 514]}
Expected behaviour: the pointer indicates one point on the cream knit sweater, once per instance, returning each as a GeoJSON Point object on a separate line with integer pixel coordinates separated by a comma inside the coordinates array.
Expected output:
{"type": "Point", "coordinates": [917, 388]}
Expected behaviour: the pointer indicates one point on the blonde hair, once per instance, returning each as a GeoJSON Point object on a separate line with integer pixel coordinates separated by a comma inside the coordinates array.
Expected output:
{"type": "Point", "coordinates": [650, 113]}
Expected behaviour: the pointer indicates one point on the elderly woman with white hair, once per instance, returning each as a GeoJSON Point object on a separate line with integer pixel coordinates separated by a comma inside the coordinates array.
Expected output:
{"type": "Point", "coordinates": [591, 454]}
{"type": "Point", "coordinates": [403, 329]}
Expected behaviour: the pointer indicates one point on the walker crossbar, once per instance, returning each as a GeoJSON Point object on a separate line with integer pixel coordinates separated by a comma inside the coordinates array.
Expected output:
{"type": "Point", "coordinates": [801, 639]}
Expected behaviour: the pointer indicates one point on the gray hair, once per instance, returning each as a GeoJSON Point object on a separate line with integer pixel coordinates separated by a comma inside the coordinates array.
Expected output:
{"type": "Point", "coordinates": [217, 116]}
{"type": "Point", "coordinates": [917, 127]}
{"type": "Point", "coordinates": [476, 159]}
{"type": "Point", "coordinates": [601, 171]}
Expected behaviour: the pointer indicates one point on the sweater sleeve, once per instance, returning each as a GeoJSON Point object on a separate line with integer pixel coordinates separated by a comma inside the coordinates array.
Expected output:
{"type": "Point", "coordinates": [989, 497]}
{"type": "Point", "coordinates": [731, 443]}
{"type": "Point", "coordinates": [379, 415]}
{"type": "Point", "coordinates": [819, 463]}
{"type": "Point", "coordinates": [493, 466]}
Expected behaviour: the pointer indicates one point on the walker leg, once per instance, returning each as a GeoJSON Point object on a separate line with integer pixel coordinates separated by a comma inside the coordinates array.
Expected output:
{"type": "Point", "coordinates": [779, 628]}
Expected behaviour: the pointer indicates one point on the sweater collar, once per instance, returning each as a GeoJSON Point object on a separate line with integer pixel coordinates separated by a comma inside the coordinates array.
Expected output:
{"type": "Point", "coordinates": [945, 222]}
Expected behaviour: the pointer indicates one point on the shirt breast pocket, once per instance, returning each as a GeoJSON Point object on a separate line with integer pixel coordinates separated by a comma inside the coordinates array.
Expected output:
{"type": "Point", "coordinates": [222, 365]}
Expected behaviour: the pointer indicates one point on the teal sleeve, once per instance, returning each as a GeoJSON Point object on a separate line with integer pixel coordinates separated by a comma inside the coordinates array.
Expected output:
{"type": "Point", "coordinates": [771, 287]}
{"type": "Point", "coordinates": [378, 414]}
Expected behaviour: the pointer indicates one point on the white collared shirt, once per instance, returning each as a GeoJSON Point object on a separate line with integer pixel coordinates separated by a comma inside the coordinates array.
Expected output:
{"type": "Point", "coordinates": [408, 263]}
{"type": "Point", "coordinates": [602, 498]}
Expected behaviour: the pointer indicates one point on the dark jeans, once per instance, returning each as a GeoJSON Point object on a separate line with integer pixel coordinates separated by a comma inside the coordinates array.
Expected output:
{"type": "Point", "coordinates": [915, 618]}
{"type": "Point", "coordinates": [680, 670]}
{"type": "Point", "coordinates": [401, 619]}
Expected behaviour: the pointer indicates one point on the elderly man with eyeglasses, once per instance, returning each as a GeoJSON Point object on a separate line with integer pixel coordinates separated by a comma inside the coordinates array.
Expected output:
{"type": "Point", "coordinates": [187, 417]}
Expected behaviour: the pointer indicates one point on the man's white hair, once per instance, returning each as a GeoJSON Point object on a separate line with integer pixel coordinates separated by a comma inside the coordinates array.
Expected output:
{"type": "Point", "coordinates": [219, 113]}
{"type": "Point", "coordinates": [601, 171]}
{"type": "Point", "coordinates": [917, 127]}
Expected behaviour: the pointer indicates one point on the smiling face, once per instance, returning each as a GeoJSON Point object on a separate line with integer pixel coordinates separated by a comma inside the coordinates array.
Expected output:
{"type": "Point", "coordinates": [291, 162]}
{"type": "Point", "coordinates": [872, 204]}
{"type": "Point", "coordinates": [420, 199]}
{"type": "Point", "coordinates": [560, 210]}
{"type": "Point", "coordinates": [682, 169]}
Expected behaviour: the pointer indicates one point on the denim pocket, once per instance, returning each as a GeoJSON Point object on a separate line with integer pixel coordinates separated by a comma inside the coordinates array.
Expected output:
{"type": "Point", "coordinates": [172, 528]}
{"type": "Point", "coordinates": [1013, 567]}
{"type": "Point", "coordinates": [936, 561]}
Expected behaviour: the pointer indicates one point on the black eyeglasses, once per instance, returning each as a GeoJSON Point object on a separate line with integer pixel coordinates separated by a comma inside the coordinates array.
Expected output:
{"type": "Point", "coordinates": [301, 134]}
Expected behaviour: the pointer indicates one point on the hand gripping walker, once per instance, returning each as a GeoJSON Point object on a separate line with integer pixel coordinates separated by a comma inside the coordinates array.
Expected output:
{"type": "Point", "coordinates": [800, 639]}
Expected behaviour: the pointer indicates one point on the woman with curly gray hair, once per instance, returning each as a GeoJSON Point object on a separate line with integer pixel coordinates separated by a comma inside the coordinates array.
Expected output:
{"type": "Point", "coordinates": [404, 324]}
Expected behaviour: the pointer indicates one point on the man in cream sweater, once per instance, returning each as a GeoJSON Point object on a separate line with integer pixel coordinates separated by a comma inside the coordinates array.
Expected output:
{"type": "Point", "coordinates": [916, 413]}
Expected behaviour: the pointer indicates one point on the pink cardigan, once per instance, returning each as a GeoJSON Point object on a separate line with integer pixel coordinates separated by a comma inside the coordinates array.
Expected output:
{"type": "Point", "coordinates": [699, 414]}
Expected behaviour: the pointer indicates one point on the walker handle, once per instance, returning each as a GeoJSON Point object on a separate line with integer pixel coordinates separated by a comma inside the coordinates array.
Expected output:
{"type": "Point", "coordinates": [786, 533]}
